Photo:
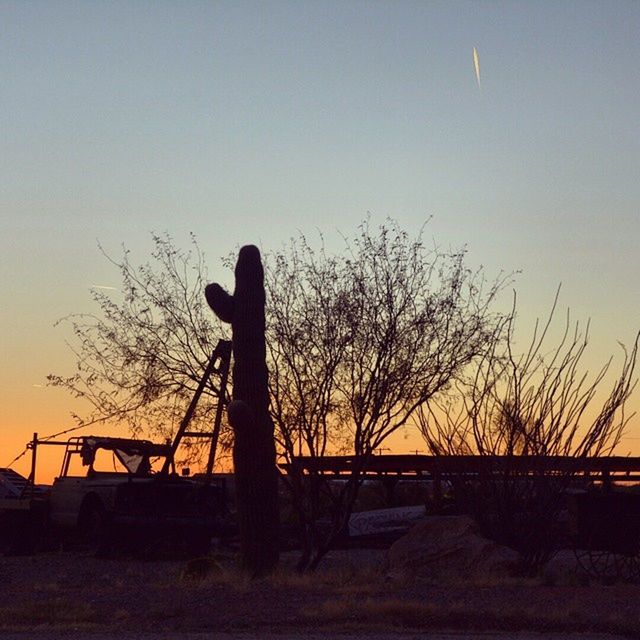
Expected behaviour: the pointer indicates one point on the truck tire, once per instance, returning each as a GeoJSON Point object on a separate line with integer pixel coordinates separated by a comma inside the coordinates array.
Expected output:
{"type": "Point", "coordinates": [93, 528]}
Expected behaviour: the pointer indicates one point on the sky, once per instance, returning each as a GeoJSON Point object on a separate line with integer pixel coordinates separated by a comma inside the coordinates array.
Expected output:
{"type": "Point", "coordinates": [247, 122]}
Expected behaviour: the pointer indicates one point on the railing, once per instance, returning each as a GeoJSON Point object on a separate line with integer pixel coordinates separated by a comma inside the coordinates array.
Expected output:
{"type": "Point", "coordinates": [604, 468]}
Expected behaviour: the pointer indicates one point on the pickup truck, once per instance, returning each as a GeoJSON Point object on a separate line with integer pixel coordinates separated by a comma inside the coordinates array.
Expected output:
{"type": "Point", "coordinates": [123, 492]}
{"type": "Point", "coordinates": [108, 497]}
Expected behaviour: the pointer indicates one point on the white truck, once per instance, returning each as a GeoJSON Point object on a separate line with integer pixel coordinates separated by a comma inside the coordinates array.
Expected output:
{"type": "Point", "coordinates": [108, 497]}
{"type": "Point", "coordinates": [122, 492]}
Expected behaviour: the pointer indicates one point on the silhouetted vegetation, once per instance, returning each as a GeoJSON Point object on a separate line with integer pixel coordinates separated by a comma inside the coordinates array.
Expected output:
{"type": "Point", "coordinates": [538, 403]}
{"type": "Point", "coordinates": [141, 354]}
{"type": "Point", "coordinates": [358, 342]}
{"type": "Point", "coordinates": [254, 451]}
{"type": "Point", "coordinates": [386, 333]}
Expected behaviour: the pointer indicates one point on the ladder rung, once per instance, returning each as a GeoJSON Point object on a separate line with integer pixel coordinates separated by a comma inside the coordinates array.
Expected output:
{"type": "Point", "coordinates": [196, 434]}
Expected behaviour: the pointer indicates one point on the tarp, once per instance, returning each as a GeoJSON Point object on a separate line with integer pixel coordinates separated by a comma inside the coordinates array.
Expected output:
{"type": "Point", "coordinates": [391, 520]}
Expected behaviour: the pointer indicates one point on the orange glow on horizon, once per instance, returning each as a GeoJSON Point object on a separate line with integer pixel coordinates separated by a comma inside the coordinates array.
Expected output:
{"type": "Point", "coordinates": [49, 458]}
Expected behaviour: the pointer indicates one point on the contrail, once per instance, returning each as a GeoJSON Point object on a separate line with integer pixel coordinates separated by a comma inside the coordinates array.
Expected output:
{"type": "Point", "coordinates": [103, 286]}
{"type": "Point", "coordinates": [476, 64]}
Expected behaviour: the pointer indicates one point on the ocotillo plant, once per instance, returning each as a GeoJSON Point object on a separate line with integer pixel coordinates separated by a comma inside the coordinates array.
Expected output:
{"type": "Point", "coordinates": [254, 453]}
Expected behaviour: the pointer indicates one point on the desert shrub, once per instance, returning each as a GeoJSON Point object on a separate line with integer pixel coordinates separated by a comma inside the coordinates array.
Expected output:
{"type": "Point", "coordinates": [521, 415]}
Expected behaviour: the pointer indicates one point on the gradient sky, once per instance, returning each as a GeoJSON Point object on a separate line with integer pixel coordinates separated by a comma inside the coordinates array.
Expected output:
{"type": "Point", "coordinates": [247, 121]}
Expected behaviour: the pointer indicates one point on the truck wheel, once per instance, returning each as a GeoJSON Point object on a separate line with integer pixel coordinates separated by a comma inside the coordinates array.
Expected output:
{"type": "Point", "coordinates": [94, 529]}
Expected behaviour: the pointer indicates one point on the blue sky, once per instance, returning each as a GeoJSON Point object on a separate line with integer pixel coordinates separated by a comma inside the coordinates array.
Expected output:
{"type": "Point", "coordinates": [247, 121]}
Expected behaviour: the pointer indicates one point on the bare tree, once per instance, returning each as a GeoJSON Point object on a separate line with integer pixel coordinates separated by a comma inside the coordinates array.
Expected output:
{"type": "Point", "coordinates": [358, 342]}
{"type": "Point", "coordinates": [309, 332]}
{"type": "Point", "coordinates": [140, 357]}
{"type": "Point", "coordinates": [540, 404]}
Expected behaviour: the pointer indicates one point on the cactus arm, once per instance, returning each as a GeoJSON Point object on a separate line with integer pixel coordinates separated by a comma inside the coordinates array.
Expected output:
{"type": "Point", "coordinates": [220, 301]}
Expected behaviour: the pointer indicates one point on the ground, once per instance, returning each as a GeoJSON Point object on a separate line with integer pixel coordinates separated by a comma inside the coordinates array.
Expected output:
{"type": "Point", "coordinates": [75, 593]}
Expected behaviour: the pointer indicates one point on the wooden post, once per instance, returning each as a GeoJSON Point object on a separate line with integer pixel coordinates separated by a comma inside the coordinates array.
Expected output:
{"type": "Point", "coordinates": [32, 475]}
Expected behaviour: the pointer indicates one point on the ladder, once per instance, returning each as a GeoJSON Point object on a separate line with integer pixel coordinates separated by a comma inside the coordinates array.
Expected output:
{"type": "Point", "coordinates": [219, 364]}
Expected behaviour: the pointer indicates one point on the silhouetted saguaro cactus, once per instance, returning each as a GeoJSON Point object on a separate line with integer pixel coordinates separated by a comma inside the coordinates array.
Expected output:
{"type": "Point", "coordinates": [254, 453]}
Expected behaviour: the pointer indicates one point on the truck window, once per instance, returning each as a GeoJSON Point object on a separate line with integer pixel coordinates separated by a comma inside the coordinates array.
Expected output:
{"type": "Point", "coordinates": [107, 461]}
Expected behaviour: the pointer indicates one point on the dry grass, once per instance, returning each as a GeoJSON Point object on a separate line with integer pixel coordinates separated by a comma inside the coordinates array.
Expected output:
{"type": "Point", "coordinates": [59, 612]}
{"type": "Point", "coordinates": [213, 570]}
{"type": "Point", "coordinates": [343, 580]}
{"type": "Point", "coordinates": [72, 592]}
{"type": "Point", "coordinates": [411, 614]}
{"type": "Point", "coordinates": [46, 587]}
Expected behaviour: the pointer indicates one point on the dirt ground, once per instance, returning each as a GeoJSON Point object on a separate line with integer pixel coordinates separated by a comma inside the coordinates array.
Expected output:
{"type": "Point", "coordinates": [351, 593]}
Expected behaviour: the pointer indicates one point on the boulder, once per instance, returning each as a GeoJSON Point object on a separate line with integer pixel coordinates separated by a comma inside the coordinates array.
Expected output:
{"type": "Point", "coordinates": [449, 548]}
{"type": "Point", "coordinates": [565, 569]}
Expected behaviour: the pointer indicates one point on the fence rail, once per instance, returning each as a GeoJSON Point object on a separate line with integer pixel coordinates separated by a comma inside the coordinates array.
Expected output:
{"type": "Point", "coordinates": [605, 468]}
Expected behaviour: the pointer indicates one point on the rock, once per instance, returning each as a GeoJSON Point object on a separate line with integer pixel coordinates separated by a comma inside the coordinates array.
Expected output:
{"type": "Point", "coordinates": [449, 548]}
{"type": "Point", "coordinates": [198, 569]}
{"type": "Point", "coordinates": [564, 569]}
